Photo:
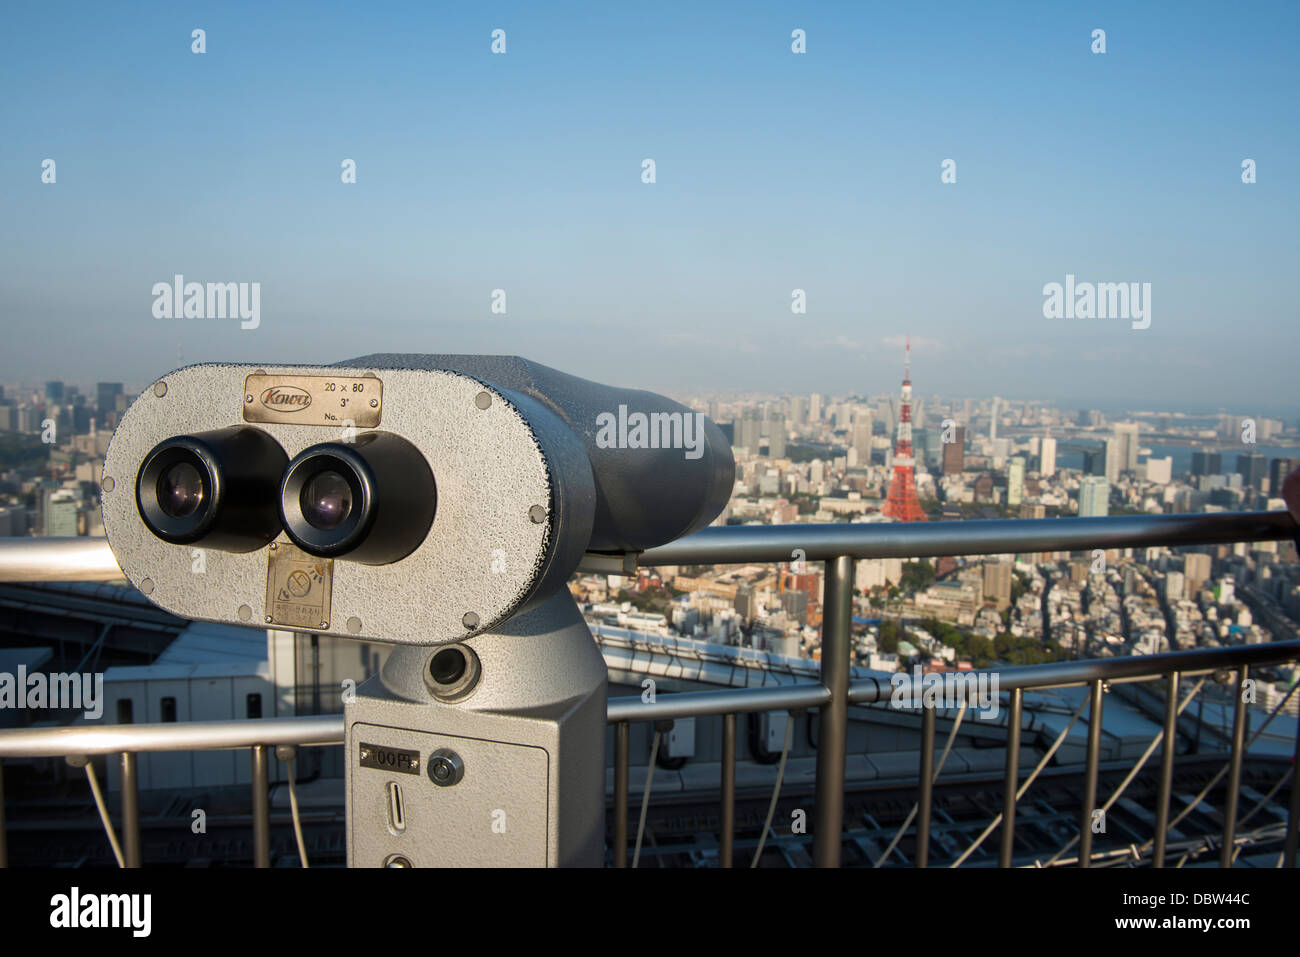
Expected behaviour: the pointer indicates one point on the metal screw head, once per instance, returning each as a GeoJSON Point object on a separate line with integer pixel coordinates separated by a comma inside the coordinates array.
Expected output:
{"type": "Point", "coordinates": [160, 389]}
{"type": "Point", "coordinates": [146, 586]}
{"type": "Point", "coordinates": [107, 484]}
{"type": "Point", "coordinates": [483, 400]}
{"type": "Point", "coordinates": [470, 620]}
{"type": "Point", "coordinates": [374, 403]}
{"type": "Point", "coordinates": [537, 514]}
{"type": "Point", "coordinates": [354, 624]}
{"type": "Point", "coordinates": [245, 613]}
{"type": "Point", "coordinates": [268, 619]}
{"type": "Point", "coordinates": [324, 624]}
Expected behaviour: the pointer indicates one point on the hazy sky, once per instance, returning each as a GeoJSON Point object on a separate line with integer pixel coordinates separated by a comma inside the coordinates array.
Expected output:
{"type": "Point", "coordinates": [775, 171]}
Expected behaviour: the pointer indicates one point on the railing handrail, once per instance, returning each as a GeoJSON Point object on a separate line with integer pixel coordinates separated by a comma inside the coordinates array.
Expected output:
{"type": "Point", "coordinates": [738, 544]}
{"type": "Point", "coordinates": [90, 559]}
{"type": "Point", "coordinates": [328, 729]}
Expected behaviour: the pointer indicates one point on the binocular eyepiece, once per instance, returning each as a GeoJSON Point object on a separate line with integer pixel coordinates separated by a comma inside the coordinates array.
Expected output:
{"type": "Point", "coordinates": [372, 501]}
{"type": "Point", "coordinates": [235, 490]}
{"type": "Point", "coordinates": [215, 488]}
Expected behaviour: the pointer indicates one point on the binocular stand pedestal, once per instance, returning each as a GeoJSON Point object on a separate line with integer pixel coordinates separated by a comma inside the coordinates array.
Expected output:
{"type": "Point", "coordinates": [488, 752]}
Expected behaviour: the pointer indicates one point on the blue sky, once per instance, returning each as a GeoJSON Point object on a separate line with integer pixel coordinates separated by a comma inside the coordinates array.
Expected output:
{"type": "Point", "coordinates": [775, 171]}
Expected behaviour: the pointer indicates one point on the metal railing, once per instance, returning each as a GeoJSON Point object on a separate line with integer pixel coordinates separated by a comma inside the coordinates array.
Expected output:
{"type": "Point", "coordinates": [837, 546]}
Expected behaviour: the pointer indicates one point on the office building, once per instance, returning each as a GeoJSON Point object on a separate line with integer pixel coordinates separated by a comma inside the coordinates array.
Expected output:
{"type": "Point", "coordinates": [1094, 496]}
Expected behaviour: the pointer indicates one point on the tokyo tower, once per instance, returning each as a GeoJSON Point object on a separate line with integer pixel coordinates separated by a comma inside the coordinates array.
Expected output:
{"type": "Point", "coordinates": [902, 504]}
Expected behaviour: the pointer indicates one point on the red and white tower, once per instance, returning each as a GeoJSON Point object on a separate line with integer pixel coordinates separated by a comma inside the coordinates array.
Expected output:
{"type": "Point", "coordinates": [902, 504]}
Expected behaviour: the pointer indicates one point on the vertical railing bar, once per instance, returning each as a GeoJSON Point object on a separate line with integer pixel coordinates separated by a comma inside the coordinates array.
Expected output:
{"type": "Point", "coordinates": [832, 746]}
{"type": "Point", "coordinates": [1012, 783]}
{"type": "Point", "coordinates": [261, 808]}
{"type": "Point", "coordinates": [130, 810]}
{"type": "Point", "coordinates": [1090, 773]}
{"type": "Point", "coordinates": [622, 733]}
{"type": "Point", "coordinates": [4, 847]}
{"type": "Point", "coordinates": [1234, 769]}
{"type": "Point", "coordinates": [1293, 812]}
{"type": "Point", "coordinates": [727, 848]}
{"type": "Point", "coordinates": [925, 800]}
{"type": "Point", "coordinates": [1170, 746]}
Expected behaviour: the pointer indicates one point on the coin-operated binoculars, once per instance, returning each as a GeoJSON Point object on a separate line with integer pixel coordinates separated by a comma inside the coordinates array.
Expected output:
{"type": "Point", "coordinates": [439, 503]}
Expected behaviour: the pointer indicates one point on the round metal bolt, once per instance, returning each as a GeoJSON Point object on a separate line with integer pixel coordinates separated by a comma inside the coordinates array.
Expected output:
{"type": "Point", "coordinates": [160, 389]}
{"type": "Point", "coordinates": [354, 624]}
{"type": "Point", "coordinates": [324, 624]}
{"type": "Point", "coordinates": [274, 546]}
{"type": "Point", "coordinates": [537, 514]}
{"type": "Point", "coordinates": [245, 613]}
{"type": "Point", "coordinates": [248, 397]}
{"type": "Point", "coordinates": [146, 586]}
{"type": "Point", "coordinates": [268, 619]}
{"type": "Point", "coordinates": [483, 400]}
{"type": "Point", "coordinates": [397, 860]}
{"type": "Point", "coordinates": [470, 620]}
{"type": "Point", "coordinates": [108, 483]}
{"type": "Point", "coordinates": [374, 403]}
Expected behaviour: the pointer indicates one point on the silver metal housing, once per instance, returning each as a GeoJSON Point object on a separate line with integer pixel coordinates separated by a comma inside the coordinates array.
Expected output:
{"type": "Point", "coordinates": [514, 512]}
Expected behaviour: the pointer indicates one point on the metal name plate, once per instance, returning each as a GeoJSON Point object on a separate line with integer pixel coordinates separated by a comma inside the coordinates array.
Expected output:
{"type": "Point", "coordinates": [390, 759]}
{"type": "Point", "coordinates": [314, 400]}
{"type": "Point", "coordinates": [298, 588]}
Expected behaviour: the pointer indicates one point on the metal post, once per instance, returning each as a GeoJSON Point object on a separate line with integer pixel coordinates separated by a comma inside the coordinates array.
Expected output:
{"type": "Point", "coordinates": [1166, 769]}
{"type": "Point", "coordinates": [833, 743]}
{"type": "Point", "coordinates": [1090, 775]}
{"type": "Point", "coordinates": [261, 809]}
{"type": "Point", "coordinates": [727, 849]}
{"type": "Point", "coordinates": [1234, 769]}
{"type": "Point", "coordinates": [130, 811]}
{"type": "Point", "coordinates": [1012, 781]}
{"type": "Point", "coordinates": [622, 731]}
{"type": "Point", "coordinates": [4, 850]}
{"type": "Point", "coordinates": [926, 777]}
{"type": "Point", "coordinates": [1293, 814]}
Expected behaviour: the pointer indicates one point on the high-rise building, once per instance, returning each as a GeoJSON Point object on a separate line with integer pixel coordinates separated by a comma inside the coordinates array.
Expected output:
{"type": "Point", "coordinates": [862, 428]}
{"type": "Point", "coordinates": [59, 517]}
{"type": "Point", "coordinates": [814, 408]}
{"type": "Point", "coordinates": [748, 429]}
{"type": "Point", "coordinates": [1047, 457]}
{"type": "Point", "coordinates": [106, 394]}
{"type": "Point", "coordinates": [997, 583]}
{"type": "Point", "coordinates": [1253, 469]}
{"type": "Point", "coordinates": [1016, 481]}
{"type": "Point", "coordinates": [1094, 462]}
{"type": "Point", "coordinates": [1113, 463]}
{"type": "Point", "coordinates": [1196, 570]}
{"type": "Point", "coordinates": [993, 418]}
{"type": "Point", "coordinates": [1278, 470]}
{"type": "Point", "coordinates": [776, 436]}
{"type": "Point", "coordinates": [954, 452]}
{"type": "Point", "coordinates": [54, 392]}
{"type": "Point", "coordinates": [798, 411]}
{"type": "Point", "coordinates": [1094, 496]}
{"type": "Point", "coordinates": [1175, 586]}
{"type": "Point", "coordinates": [1160, 471]}
{"type": "Point", "coordinates": [1126, 439]}
{"type": "Point", "coordinates": [1206, 463]}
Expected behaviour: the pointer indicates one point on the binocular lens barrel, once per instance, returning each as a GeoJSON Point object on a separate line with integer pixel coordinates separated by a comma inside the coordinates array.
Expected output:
{"type": "Point", "coordinates": [372, 501]}
{"type": "Point", "coordinates": [214, 488]}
